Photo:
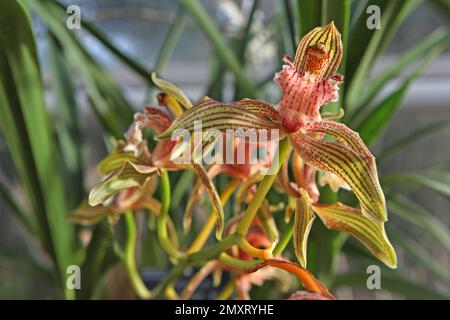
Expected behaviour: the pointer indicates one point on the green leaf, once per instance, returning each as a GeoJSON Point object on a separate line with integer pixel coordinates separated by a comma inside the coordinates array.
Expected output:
{"type": "Point", "coordinates": [28, 131]}
{"type": "Point", "coordinates": [68, 124]}
{"type": "Point", "coordinates": [130, 62]}
{"type": "Point", "coordinates": [437, 39]}
{"type": "Point", "coordinates": [363, 41]}
{"type": "Point", "coordinates": [393, 14]}
{"type": "Point", "coordinates": [229, 59]}
{"type": "Point", "coordinates": [170, 40]}
{"type": "Point", "coordinates": [184, 183]}
{"type": "Point", "coordinates": [392, 281]}
{"type": "Point", "coordinates": [419, 217]}
{"type": "Point", "coordinates": [25, 264]}
{"type": "Point", "coordinates": [287, 11]}
{"type": "Point", "coordinates": [25, 218]}
{"type": "Point", "coordinates": [339, 12]}
{"type": "Point", "coordinates": [376, 121]}
{"type": "Point", "coordinates": [435, 180]}
{"type": "Point", "coordinates": [416, 250]}
{"type": "Point", "coordinates": [309, 15]}
{"type": "Point", "coordinates": [110, 106]}
{"type": "Point", "coordinates": [442, 7]}
{"type": "Point", "coordinates": [99, 258]}
{"type": "Point", "coordinates": [410, 138]}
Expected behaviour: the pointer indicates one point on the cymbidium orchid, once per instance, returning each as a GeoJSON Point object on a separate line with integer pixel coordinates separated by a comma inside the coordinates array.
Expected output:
{"type": "Point", "coordinates": [323, 150]}
{"type": "Point", "coordinates": [131, 168]}
{"type": "Point", "coordinates": [308, 82]}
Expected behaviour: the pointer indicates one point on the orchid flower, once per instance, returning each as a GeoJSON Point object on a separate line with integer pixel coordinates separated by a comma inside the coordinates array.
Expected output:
{"type": "Point", "coordinates": [131, 168]}
{"type": "Point", "coordinates": [308, 82]}
{"type": "Point", "coordinates": [246, 171]}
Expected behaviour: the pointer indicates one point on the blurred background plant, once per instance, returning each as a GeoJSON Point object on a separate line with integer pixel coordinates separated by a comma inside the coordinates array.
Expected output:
{"type": "Point", "coordinates": [64, 94]}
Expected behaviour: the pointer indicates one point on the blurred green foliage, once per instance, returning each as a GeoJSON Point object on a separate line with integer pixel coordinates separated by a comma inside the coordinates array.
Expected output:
{"type": "Point", "coordinates": [47, 148]}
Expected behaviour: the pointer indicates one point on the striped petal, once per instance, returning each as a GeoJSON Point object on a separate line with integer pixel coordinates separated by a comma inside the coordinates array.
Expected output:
{"type": "Point", "coordinates": [305, 176]}
{"type": "Point", "coordinates": [309, 82]}
{"type": "Point", "coordinates": [214, 197]}
{"type": "Point", "coordinates": [267, 221]}
{"type": "Point", "coordinates": [241, 115]}
{"type": "Point", "coordinates": [320, 52]}
{"type": "Point", "coordinates": [130, 175]}
{"type": "Point", "coordinates": [304, 218]}
{"type": "Point", "coordinates": [308, 281]}
{"type": "Point", "coordinates": [370, 233]}
{"type": "Point", "coordinates": [350, 160]}
{"type": "Point", "coordinates": [172, 90]}
{"type": "Point", "coordinates": [87, 215]}
{"type": "Point", "coordinates": [194, 198]}
{"type": "Point", "coordinates": [116, 159]}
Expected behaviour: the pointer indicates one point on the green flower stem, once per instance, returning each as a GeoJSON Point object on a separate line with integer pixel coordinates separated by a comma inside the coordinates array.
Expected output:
{"type": "Point", "coordinates": [129, 258]}
{"type": "Point", "coordinates": [262, 191]}
{"type": "Point", "coordinates": [251, 250]}
{"type": "Point", "coordinates": [195, 258]}
{"type": "Point", "coordinates": [281, 245]}
{"type": "Point", "coordinates": [216, 250]}
{"type": "Point", "coordinates": [246, 264]}
{"type": "Point", "coordinates": [237, 263]}
{"type": "Point", "coordinates": [161, 222]}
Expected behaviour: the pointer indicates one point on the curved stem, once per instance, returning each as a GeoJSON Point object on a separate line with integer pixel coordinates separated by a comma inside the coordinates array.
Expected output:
{"type": "Point", "coordinates": [237, 263]}
{"type": "Point", "coordinates": [264, 254]}
{"type": "Point", "coordinates": [161, 222]}
{"type": "Point", "coordinates": [204, 234]}
{"type": "Point", "coordinates": [262, 191]}
{"type": "Point", "coordinates": [194, 259]}
{"type": "Point", "coordinates": [129, 259]}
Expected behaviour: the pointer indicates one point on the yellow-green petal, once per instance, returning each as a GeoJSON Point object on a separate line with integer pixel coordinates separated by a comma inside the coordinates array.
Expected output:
{"type": "Point", "coordinates": [172, 90]}
{"type": "Point", "coordinates": [130, 175]}
{"type": "Point", "coordinates": [304, 218]}
{"type": "Point", "coordinates": [326, 40]}
{"type": "Point", "coordinates": [348, 158]}
{"type": "Point", "coordinates": [370, 233]}
{"type": "Point", "coordinates": [211, 114]}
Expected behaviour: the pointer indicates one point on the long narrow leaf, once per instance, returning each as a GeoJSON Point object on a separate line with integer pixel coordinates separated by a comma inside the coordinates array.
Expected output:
{"type": "Point", "coordinates": [414, 249]}
{"type": "Point", "coordinates": [436, 180]}
{"type": "Point", "coordinates": [412, 137]}
{"type": "Point", "coordinates": [439, 38]}
{"type": "Point", "coordinates": [420, 218]}
{"type": "Point", "coordinates": [229, 59]}
{"type": "Point", "coordinates": [68, 125]}
{"type": "Point", "coordinates": [22, 103]}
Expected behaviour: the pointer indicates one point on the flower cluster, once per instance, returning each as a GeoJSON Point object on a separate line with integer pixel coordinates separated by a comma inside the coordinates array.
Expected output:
{"type": "Point", "coordinates": [317, 148]}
